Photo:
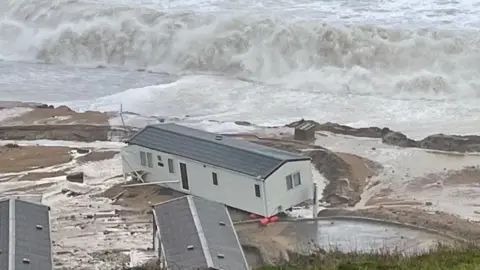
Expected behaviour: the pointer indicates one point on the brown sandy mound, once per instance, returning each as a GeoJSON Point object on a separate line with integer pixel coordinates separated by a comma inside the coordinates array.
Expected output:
{"type": "Point", "coordinates": [362, 169]}
{"type": "Point", "coordinates": [45, 122]}
{"type": "Point", "coordinates": [139, 197]}
{"type": "Point", "coordinates": [61, 115]}
{"type": "Point", "coordinates": [24, 158]}
{"type": "Point", "coordinates": [348, 175]}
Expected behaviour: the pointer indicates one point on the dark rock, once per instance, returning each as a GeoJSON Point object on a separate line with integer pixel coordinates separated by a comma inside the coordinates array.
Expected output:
{"type": "Point", "coordinates": [62, 253]}
{"type": "Point", "coordinates": [159, 119]}
{"type": "Point", "coordinates": [371, 132]}
{"type": "Point", "coordinates": [451, 143]}
{"type": "Point", "coordinates": [70, 193]}
{"type": "Point", "coordinates": [243, 123]}
{"type": "Point", "coordinates": [335, 199]}
{"type": "Point", "coordinates": [440, 142]}
{"type": "Point", "coordinates": [82, 151]}
{"type": "Point", "coordinates": [76, 177]}
{"type": "Point", "coordinates": [398, 139]}
{"type": "Point", "coordinates": [352, 203]}
{"type": "Point", "coordinates": [428, 203]}
{"type": "Point", "coordinates": [44, 106]}
{"type": "Point", "coordinates": [12, 145]}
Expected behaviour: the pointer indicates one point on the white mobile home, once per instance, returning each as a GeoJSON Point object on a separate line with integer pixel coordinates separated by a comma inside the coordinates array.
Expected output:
{"type": "Point", "coordinates": [194, 233]}
{"type": "Point", "coordinates": [241, 174]}
{"type": "Point", "coordinates": [25, 241]}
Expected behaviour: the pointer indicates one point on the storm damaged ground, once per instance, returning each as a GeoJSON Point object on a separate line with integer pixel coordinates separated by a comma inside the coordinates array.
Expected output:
{"type": "Point", "coordinates": [98, 221]}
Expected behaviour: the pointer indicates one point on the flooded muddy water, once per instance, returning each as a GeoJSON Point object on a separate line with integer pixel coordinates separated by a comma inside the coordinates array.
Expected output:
{"type": "Point", "coordinates": [361, 236]}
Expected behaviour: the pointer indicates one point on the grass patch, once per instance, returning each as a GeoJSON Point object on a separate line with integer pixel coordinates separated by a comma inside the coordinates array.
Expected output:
{"type": "Point", "coordinates": [440, 258]}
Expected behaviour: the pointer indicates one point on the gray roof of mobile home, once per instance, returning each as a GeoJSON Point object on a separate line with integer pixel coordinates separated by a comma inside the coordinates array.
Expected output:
{"type": "Point", "coordinates": [221, 151]}
{"type": "Point", "coordinates": [198, 234]}
{"type": "Point", "coordinates": [25, 235]}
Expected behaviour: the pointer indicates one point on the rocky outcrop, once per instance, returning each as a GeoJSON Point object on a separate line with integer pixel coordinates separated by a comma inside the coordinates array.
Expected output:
{"type": "Point", "coordinates": [440, 142]}
{"type": "Point", "coordinates": [44, 106]}
{"type": "Point", "coordinates": [398, 139]}
{"type": "Point", "coordinates": [84, 133]}
{"type": "Point", "coordinates": [19, 104]}
{"type": "Point", "coordinates": [451, 143]}
{"type": "Point", "coordinates": [82, 151]}
{"type": "Point", "coordinates": [370, 132]}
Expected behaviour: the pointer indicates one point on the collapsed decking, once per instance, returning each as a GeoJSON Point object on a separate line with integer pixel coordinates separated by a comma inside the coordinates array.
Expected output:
{"type": "Point", "coordinates": [194, 233]}
{"type": "Point", "coordinates": [25, 241]}
{"type": "Point", "coordinates": [241, 174]}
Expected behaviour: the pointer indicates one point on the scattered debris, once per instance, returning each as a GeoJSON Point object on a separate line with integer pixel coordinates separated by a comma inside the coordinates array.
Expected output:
{"type": "Point", "coordinates": [76, 177]}
{"type": "Point", "coordinates": [82, 151]}
{"type": "Point", "coordinates": [74, 189]}
{"type": "Point", "coordinates": [305, 132]}
{"type": "Point", "coordinates": [12, 145]}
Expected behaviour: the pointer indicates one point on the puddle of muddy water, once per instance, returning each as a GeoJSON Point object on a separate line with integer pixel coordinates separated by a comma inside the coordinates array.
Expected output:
{"type": "Point", "coordinates": [348, 236]}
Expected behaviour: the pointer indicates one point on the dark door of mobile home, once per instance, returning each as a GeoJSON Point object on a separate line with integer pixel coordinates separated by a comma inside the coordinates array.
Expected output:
{"type": "Point", "coordinates": [184, 175]}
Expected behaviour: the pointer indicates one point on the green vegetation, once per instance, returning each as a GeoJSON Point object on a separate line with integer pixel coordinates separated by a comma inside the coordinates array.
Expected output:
{"type": "Point", "coordinates": [440, 258]}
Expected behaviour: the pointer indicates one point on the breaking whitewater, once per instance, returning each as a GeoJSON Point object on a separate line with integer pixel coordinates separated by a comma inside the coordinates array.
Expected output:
{"type": "Point", "coordinates": [412, 69]}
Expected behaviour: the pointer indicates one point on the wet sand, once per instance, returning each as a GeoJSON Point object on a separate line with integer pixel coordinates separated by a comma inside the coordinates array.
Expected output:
{"type": "Point", "coordinates": [24, 158]}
